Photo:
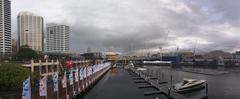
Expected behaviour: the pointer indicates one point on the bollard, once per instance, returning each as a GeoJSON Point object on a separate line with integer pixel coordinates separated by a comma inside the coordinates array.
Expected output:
{"type": "Point", "coordinates": [206, 89]}
{"type": "Point", "coordinates": [168, 91]}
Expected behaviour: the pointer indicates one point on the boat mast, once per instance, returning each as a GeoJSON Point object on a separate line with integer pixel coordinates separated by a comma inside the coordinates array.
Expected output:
{"type": "Point", "coordinates": [194, 52]}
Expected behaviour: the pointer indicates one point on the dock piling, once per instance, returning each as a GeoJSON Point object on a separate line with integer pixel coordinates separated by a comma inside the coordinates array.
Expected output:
{"type": "Point", "coordinates": [206, 89]}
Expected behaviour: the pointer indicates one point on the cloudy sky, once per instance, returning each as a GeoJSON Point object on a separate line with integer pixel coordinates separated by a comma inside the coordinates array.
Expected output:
{"type": "Point", "coordinates": [139, 26]}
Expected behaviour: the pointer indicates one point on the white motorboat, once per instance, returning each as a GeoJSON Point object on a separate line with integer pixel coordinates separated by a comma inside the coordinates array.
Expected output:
{"type": "Point", "coordinates": [131, 64]}
{"type": "Point", "coordinates": [141, 69]}
{"type": "Point", "coordinates": [188, 85]}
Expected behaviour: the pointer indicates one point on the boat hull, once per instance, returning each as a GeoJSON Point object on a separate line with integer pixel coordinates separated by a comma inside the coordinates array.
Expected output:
{"type": "Point", "coordinates": [190, 89]}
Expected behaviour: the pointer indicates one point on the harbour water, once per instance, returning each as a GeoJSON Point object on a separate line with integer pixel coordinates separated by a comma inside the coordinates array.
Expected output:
{"type": "Point", "coordinates": [226, 86]}
{"type": "Point", "coordinates": [117, 84]}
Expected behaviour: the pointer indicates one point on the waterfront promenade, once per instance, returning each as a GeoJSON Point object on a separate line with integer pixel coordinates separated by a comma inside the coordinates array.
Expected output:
{"type": "Point", "coordinates": [89, 78]}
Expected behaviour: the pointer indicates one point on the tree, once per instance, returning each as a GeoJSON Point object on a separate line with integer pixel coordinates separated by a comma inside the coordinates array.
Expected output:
{"type": "Point", "coordinates": [26, 53]}
{"type": "Point", "coordinates": [12, 76]}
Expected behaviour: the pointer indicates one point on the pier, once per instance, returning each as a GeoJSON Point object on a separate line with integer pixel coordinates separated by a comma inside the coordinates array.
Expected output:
{"type": "Point", "coordinates": [162, 87]}
{"type": "Point", "coordinates": [71, 91]}
{"type": "Point", "coordinates": [118, 84]}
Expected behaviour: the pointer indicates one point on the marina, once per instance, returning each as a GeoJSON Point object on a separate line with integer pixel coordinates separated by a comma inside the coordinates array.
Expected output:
{"type": "Point", "coordinates": [118, 84]}
{"type": "Point", "coordinates": [148, 88]}
{"type": "Point", "coordinates": [119, 49]}
{"type": "Point", "coordinates": [218, 86]}
{"type": "Point", "coordinates": [163, 89]}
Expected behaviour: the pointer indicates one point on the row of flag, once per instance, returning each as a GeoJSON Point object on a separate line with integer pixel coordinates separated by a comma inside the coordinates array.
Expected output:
{"type": "Point", "coordinates": [76, 74]}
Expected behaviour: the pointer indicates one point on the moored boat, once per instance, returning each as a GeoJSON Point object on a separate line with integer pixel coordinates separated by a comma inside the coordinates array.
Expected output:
{"type": "Point", "coordinates": [188, 85]}
{"type": "Point", "coordinates": [141, 69]}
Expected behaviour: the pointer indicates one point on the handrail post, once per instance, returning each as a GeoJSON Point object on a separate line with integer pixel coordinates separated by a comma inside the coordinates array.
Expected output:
{"type": "Point", "coordinates": [46, 67]}
{"type": "Point", "coordinates": [40, 67]}
{"type": "Point", "coordinates": [52, 66]}
{"type": "Point", "coordinates": [57, 65]}
{"type": "Point", "coordinates": [32, 65]}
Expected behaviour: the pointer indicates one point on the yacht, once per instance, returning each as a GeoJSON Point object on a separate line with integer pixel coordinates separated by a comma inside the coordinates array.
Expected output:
{"type": "Point", "coordinates": [131, 64]}
{"type": "Point", "coordinates": [141, 69]}
{"type": "Point", "coordinates": [188, 85]}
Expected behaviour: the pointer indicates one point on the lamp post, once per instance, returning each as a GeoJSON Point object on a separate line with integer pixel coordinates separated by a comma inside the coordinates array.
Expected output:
{"type": "Point", "coordinates": [171, 81]}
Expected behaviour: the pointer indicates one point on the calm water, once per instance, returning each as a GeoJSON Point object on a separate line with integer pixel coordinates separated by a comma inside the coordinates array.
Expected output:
{"type": "Point", "coordinates": [220, 87]}
{"type": "Point", "coordinates": [117, 84]}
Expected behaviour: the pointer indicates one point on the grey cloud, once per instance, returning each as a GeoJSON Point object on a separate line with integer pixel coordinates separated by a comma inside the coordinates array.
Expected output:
{"type": "Point", "coordinates": [131, 25]}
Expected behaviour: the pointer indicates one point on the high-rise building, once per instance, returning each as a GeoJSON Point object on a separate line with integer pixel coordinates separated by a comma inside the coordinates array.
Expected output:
{"type": "Point", "coordinates": [30, 30]}
{"type": "Point", "coordinates": [14, 46]}
{"type": "Point", "coordinates": [5, 27]}
{"type": "Point", "coordinates": [57, 38]}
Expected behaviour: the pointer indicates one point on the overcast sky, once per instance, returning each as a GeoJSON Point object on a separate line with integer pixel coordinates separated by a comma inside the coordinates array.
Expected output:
{"type": "Point", "coordinates": [141, 25]}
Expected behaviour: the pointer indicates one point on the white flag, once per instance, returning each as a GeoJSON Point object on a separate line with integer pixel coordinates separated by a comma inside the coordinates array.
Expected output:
{"type": "Point", "coordinates": [94, 66]}
{"type": "Point", "coordinates": [55, 82]}
{"type": "Point", "coordinates": [26, 93]}
{"type": "Point", "coordinates": [85, 72]}
{"type": "Point", "coordinates": [64, 81]}
{"type": "Point", "coordinates": [81, 73]}
{"type": "Point", "coordinates": [91, 70]}
{"type": "Point", "coordinates": [43, 86]}
{"type": "Point", "coordinates": [76, 75]}
{"type": "Point", "coordinates": [88, 71]}
{"type": "Point", "coordinates": [71, 77]}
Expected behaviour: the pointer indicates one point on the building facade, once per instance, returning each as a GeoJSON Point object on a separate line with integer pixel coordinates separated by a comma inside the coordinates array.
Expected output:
{"type": "Point", "coordinates": [30, 30]}
{"type": "Point", "coordinates": [14, 46]}
{"type": "Point", "coordinates": [57, 38]}
{"type": "Point", "coordinates": [5, 28]}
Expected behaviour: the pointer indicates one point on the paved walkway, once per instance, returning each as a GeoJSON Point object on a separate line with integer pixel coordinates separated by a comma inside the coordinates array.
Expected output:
{"type": "Point", "coordinates": [117, 84]}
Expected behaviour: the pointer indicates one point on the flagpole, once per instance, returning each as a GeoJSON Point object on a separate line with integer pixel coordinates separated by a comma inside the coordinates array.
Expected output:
{"type": "Point", "coordinates": [82, 84]}
{"type": "Point", "coordinates": [46, 89]}
{"type": "Point", "coordinates": [58, 85]}
{"type": "Point", "coordinates": [40, 72]}
{"type": "Point", "coordinates": [30, 91]}
{"type": "Point", "coordinates": [86, 81]}
{"type": "Point", "coordinates": [66, 91]}
{"type": "Point", "coordinates": [90, 77]}
{"type": "Point", "coordinates": [72, 81]}
{"type": "Point", "coordinates": [57, 95]}
{"type": "Point", "coordinates": [78, 80]}
{"type": "Point", "coordinates": [73, 88]}
{"type": "Point", "coordinates": [40, 68]}
{"type": "Point", "coordinates": [30, 81]}
{"type": "Point", "coordinates": [66, 85]}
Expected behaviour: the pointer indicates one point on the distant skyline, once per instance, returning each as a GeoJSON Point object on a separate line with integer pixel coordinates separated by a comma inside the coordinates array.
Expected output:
{"type": "Point", "coordinates": [136, 25]}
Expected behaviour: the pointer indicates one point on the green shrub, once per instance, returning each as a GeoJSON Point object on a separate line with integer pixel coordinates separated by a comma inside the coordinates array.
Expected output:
{"type": "Point", "coordinates": [25, 53]}
{"type": "Point", "coordinates": [11, 77]}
